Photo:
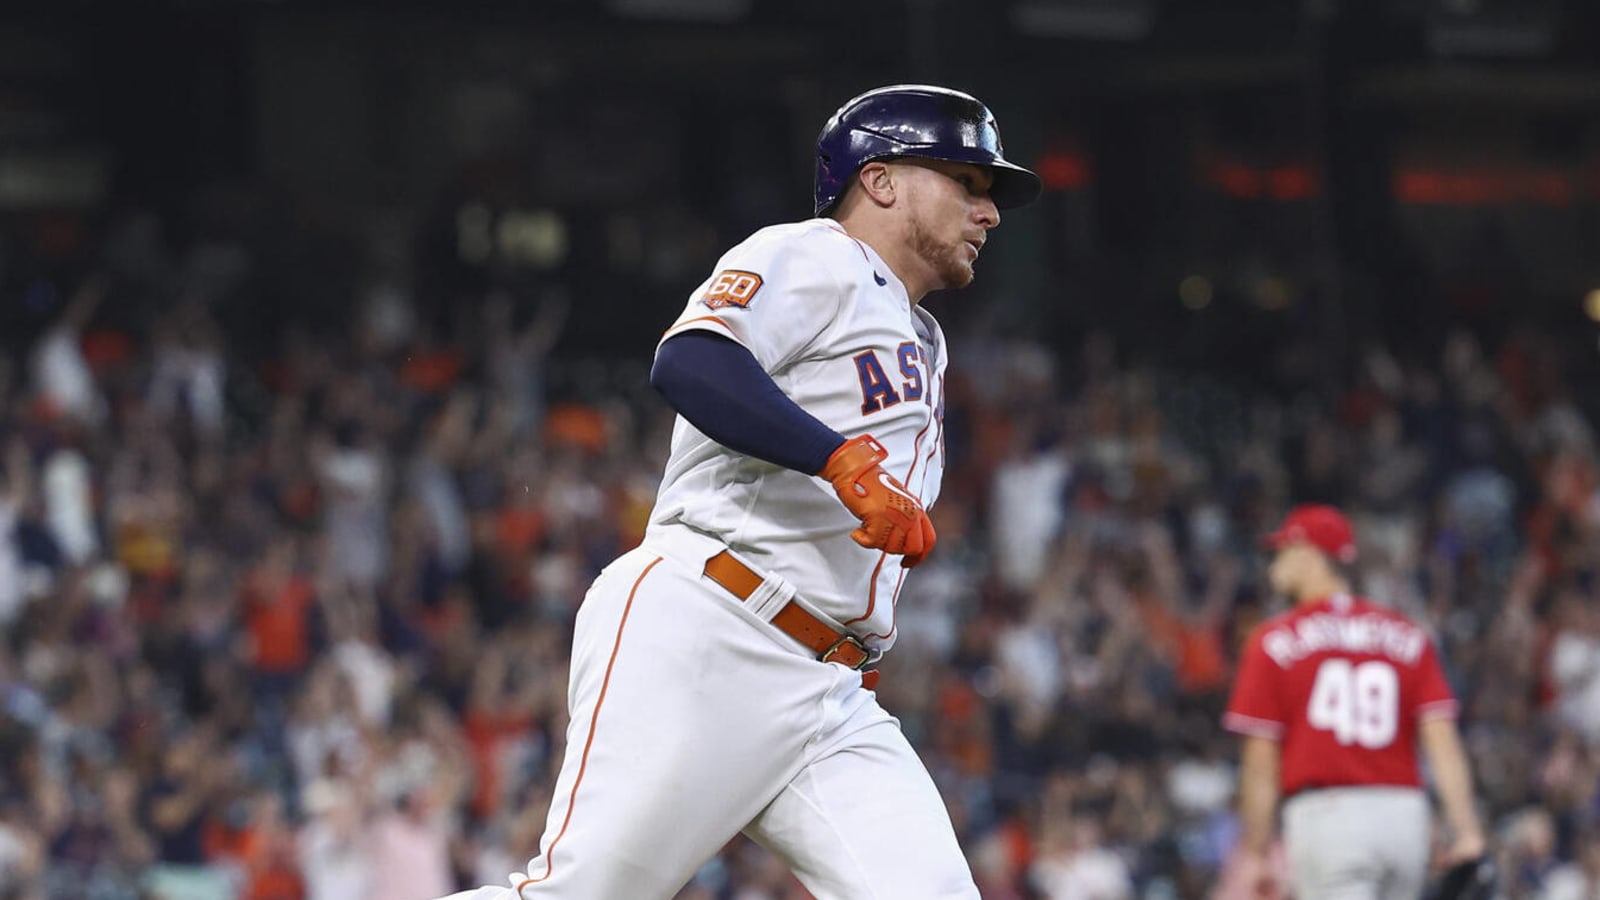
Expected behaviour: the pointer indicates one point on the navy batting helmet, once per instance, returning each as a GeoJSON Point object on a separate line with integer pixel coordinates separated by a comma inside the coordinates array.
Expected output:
{"type": "Point", "coordinates": [916, 120]}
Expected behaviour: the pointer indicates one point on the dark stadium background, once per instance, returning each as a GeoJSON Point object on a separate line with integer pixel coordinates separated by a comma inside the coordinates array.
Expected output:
{"type": "Point", "coordinates": [1397, 166]}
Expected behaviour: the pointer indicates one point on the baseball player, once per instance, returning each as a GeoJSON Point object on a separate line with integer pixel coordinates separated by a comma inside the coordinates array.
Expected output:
{"type": "Point", "coordinates": [1333, 699]}
{"type": "Point", "coordinates": [722, 671]}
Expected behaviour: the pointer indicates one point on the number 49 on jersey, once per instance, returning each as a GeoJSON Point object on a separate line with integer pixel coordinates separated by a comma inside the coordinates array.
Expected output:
{"type": "Point", "coordinates": [1358, 702]}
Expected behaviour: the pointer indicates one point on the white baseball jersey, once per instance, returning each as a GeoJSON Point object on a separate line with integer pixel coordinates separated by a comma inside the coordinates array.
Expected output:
{"type": "Point", "coordinates": [835, 329]}
{"type": "Point", "coordinates": [692, 718]}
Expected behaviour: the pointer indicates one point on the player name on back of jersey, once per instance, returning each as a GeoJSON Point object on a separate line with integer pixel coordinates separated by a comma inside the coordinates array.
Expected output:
{"type": "Point", "coordinates": [1373, 634]}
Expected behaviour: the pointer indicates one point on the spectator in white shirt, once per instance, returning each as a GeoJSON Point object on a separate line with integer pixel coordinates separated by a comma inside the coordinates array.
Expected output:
{"type": "Point", "coordinates": [333, 851]}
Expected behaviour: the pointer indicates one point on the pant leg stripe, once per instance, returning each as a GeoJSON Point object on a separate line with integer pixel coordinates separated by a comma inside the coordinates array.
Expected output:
{"type": "Point", "coordinates": [594, 721]}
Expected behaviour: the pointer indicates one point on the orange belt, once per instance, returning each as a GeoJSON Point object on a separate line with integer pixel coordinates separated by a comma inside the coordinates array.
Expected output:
{"type": "Point", "coordinates": [829, 644]}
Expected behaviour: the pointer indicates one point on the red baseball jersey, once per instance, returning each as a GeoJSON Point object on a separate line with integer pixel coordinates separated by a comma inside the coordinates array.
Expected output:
{"type": "Point", "coordinates": [1342, 684]}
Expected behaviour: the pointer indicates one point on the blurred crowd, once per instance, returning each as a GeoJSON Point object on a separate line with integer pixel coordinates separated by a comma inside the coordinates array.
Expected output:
{"type": "Point", "coordinates": [294, 625]}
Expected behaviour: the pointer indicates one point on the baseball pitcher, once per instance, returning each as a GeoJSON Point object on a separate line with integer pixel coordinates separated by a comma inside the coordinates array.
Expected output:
{"type": "Point", "coordinates": [1333, 699]}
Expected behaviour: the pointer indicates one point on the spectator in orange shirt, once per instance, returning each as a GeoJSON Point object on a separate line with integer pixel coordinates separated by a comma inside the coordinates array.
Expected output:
{"type": "Point", "coordinates": [278, 601]}
{"type": "Point", "coordinates": [263, 847]}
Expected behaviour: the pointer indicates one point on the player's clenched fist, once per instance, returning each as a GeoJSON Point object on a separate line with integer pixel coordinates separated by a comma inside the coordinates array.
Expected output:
{"type": "Point", "coordinates": [891, 518]}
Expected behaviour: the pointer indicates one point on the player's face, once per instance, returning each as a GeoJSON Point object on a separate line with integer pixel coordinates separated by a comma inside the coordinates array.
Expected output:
{"type": "Point", "coordinates": [950, 214]}
{"type": "Point", "coordinates": [1290, 567]}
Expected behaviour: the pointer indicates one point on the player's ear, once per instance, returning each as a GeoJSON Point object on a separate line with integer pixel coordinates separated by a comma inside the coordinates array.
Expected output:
{"type": "Point", "coordinates": [877, 180]}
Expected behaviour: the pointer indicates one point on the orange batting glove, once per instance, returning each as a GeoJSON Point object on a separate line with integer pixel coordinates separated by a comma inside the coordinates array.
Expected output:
{"type": "Point", "coordinates": [891, 518]}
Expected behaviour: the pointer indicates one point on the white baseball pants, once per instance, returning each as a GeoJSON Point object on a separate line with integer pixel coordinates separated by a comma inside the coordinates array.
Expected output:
{"type": "Point", "coordinates": [692, 720]}
{"type": "Point", "coordinates": [1357, 843]}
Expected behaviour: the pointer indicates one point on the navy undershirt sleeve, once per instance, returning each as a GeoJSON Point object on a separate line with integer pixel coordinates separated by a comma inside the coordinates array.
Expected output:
{"type": "Point", "coordinates": [719, 387]}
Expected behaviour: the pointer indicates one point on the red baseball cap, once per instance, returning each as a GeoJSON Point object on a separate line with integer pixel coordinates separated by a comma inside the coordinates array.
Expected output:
{"type": "Point", "coordinates": [1319, 525]}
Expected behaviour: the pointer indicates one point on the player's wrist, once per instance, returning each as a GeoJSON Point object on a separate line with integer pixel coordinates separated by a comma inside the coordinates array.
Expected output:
{"type": "Point", "coordinates": [852, 459]}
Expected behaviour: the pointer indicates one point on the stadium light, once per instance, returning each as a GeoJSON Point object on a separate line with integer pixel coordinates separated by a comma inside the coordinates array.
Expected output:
{"type": "Point", "coordinates": [1591, 305]}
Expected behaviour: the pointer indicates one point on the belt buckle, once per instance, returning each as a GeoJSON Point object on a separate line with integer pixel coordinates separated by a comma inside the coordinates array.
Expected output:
{"type": "Point", "coordinates": [845, 640]}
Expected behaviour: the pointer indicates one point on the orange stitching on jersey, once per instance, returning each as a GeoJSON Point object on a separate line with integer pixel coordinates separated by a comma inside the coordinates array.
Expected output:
{"type": "Point", "coordinates": [894, 602]}
{"type": "Point", "coordinates": [854, 241]}
{"type": "Point", "coordinates": [894, 607]}
{"type": "Point", "coordinates": [698, 319]}
{"type": "Point", "coordinates": [605, 684]}
{"type": "Point", "coordinates": [916, 445]}
{"type": "Point", "coordinates": [872, 592]}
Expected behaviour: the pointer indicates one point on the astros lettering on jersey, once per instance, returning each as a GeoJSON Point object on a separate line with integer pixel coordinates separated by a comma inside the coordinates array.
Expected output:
{"type": "Point", "coordinates": [826, 317]}
{"type": "Point", "coordinates": [1343, 685]}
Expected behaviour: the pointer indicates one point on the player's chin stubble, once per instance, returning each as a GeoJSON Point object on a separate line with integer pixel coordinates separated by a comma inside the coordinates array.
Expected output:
{"type": "Point", "coordinates": [945, 259]}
